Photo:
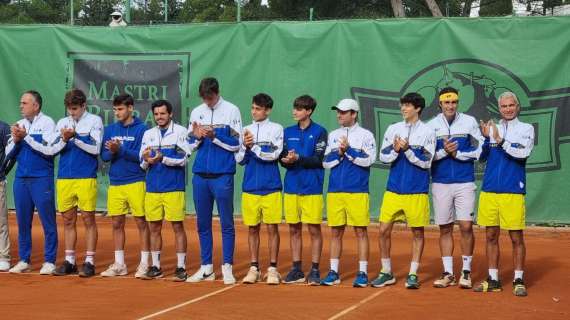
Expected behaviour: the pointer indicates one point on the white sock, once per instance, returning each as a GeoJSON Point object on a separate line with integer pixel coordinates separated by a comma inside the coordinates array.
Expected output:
{"type": "Point", "coordinates": [386, 265]}
{"type": "Point", "coordinates": [155, 258]}
{"type": "Point", "coordinates": [494, 274]}
{"type": "Point", "coordinates": [518, 274]}
{"type": "Point", "coordinates": [414, 267]}
{"type": "Point", "coordinates": [144, 257]}
{"type": "Point", "coordinates": [467, 262]}
{"type": "Point", "coordinates": [334, 265]}
{"type": "Point", "coordinates": [447, 264]}
{"type": "Point", "coordinates": [181, 260]}
{"type": "Point", "coordinates": [120, 257]}
{"type": "Point", "coordinates": [363, 266]}
{"type": "Point", "coordinates": [90, 257]}
{"type": "Point", "coordinates": [70, 256]}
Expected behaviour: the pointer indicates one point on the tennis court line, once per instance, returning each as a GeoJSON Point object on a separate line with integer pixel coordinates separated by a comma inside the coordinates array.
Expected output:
{"type": "Point", "coordinates": [358, 304]}
{"type": "Point", "coordinates": [187, 302]}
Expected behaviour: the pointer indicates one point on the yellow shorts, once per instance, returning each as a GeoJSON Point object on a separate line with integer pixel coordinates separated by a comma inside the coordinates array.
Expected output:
{"type": "Point", "coordinates": [126, 198]}
{"type": "Point", "coordinates": [165, 205]}
{"type": "Point", "coordinates": [256, 208]}
{"type": "Point", "coordinates": [348, 209]}
{"type": "Point", "coordinates": [505, 210]}
{"type": "Point", "coordinates": [80, 193]}
{"type": "Point", "coordinates": [303, 208]}
{"type": "Point", "coordinates": [411, 208]}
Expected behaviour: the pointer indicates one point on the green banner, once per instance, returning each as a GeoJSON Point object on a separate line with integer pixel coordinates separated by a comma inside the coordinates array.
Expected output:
{"type": "Point", "coordinates": [373, 61]}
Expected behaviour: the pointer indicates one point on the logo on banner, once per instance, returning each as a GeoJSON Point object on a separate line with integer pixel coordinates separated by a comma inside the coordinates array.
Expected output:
{"type": "Point", "coordinates": [147, 77]}
{"type": "Point", "coordinates": [480, 83]}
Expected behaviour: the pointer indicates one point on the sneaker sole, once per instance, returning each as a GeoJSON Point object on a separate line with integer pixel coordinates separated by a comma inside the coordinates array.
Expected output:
{"type": "Point", "coordinates": [441, 285]}
{"type": "Point", "coordinates": [113, 275]}
{"type": "Point", "coordinates": [412, 286]}
{"type": "Point", "coordinates": [210, 278]}
{"type": "Point", "coordinates": [151, 278]}
{"type": "Point", "coordinates": [465, 286]}
{"type": "Point", "coordinates": [358, 285]}
{"type": "Point", "coordinates": [334, 283]}
{"type": "Point", "coordinates": [387, 283]}
{"type": "Point", "coordinates": [176, 279]}
{"type": "Point", "coordinates": [302, 280]}
{"type": "Point", "coordinates": [23, 271]}
{"type": "Point", "coordinates": [314, 283]}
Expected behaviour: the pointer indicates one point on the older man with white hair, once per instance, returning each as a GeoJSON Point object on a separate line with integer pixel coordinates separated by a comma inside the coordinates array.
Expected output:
{"type": "Point", "coordinates": [506, 148]}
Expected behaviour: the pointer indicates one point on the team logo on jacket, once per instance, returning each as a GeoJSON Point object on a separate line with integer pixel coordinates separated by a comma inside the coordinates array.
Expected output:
{"type": "Point", "coordinates": [480, 83]}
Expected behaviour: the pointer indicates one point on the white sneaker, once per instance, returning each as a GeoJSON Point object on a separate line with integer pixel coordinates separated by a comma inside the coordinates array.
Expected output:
{"type": "Point", "coordinates": [141, 270]}
{"type": "Point", "coordinates": [205, 273]}
{"type": "Point", "coordinates": [4, 265]}
{"type": "Point", "coordinates": [228, 274]}
{"type": "Point", "coordinates": [47, 268]}
{"type": "Point", "coordinates": [21, 267]}
{"type": "Point", "coordinates": [253, 275]}
{"type": "Point", "coordinates": [115, 270]}
{"type": "Point", "coordinates": [273, 276]}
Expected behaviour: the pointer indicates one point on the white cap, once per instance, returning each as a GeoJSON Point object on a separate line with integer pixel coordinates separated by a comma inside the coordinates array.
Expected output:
{"type": "Point", "coordinates": [346, 104]}
{"type": "Point", "coordinates": [116, 13]}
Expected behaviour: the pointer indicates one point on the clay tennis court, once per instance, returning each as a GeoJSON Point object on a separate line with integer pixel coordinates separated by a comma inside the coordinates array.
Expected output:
{"type": "Point", "coordinates": [31, 296]}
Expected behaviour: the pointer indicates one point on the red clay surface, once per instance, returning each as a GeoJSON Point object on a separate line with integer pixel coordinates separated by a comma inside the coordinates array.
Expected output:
{"type": "Point", "coordinates": [46, 297]}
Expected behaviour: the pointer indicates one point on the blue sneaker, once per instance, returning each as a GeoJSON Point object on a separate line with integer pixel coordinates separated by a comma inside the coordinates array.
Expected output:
{"type": "Point", "coordinates": [412, 282]}
{"type": "Point", "coordinates": [384, 279]}
{"type": "Point", "coordinates": [331, 279]}
{"type": "Point", "coordinates": [295, 276]}
{"type": "Point", "coordinates": [314, 278]}
{"type": "Point", "coordinates": [361, 280]}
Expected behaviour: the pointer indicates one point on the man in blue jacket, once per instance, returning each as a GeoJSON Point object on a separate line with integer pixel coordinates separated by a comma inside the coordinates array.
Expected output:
{"type": "Point", "coordinates": [304, 147]}
{"type": "Point", "coordinates": [502, 200]}
{"type": "Point", "coordinates": [121, 145]}
{"type": "Point", "coordinates": [33, 185]}
{"type": "Point", "coordinates": [215, 132]}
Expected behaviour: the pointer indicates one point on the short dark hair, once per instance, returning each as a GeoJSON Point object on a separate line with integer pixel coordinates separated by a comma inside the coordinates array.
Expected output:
{"type": "Point", "coordinates": [448, 90]}
{"type": "Point", "coordinates": [125, 99]}
{"type": "Point", "coordinates": [160, 103]}
{"type": "Point", "coordinates": [263, 100]}
{"type": "Point", "coordinates": [74, 97]}
{"type": "Point", "coordinates": [305, 102]}
{"type": "Point", "coordinates": [37, 97]}
{"type": "Point", "coordinates": [208, 87]}
{"type": "Point", "coordinates": [414, 99]}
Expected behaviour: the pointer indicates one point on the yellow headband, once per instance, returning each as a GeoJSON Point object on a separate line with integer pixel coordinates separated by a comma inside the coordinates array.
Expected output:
{"type": "Point", "coordinates": [449, 96]}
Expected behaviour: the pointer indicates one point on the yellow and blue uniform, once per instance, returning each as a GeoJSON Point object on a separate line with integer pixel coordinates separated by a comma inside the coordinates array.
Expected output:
{"type": "Point", "coordinates": [165, 180]}
{"type": "Point", "coordinates": [127, 187]}
{"type": "Point", "coordinates": [77, 172]}
{"type": "Point", "coordinates": [501, 202]}
{"type": "Point", "coordinates": [33, 184]}
{"type": "Point", "coordinates": [348, 198]}
{"type": "Point", "coordinates": [261, 197]}
{"type": "Point", "coordinates": [303, 185]}
{"type": "Point", "coordinates": [406, 196]}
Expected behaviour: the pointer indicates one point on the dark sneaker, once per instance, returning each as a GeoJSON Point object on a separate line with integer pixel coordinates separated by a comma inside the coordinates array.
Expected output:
{"type": "Point", "coordinates": [66, 268]}
{"type": "Point", "coordinates": [314, 277]}
{"type": "Point", "coordinates": [489, 285]}
{"type": "Point", "coordinates": [384, 279]}
{"type": "Point", "coordinates": [412, 281]}
{"type": "Point", "coordinates": [331, 279]}
{"type": "Point", "coordinates": [295, 276]}
{"type": "Point", "coordinates": [152, 273]}
{"type": "Point", "coordinates": [180, 275]}
{"type": "Point", "coordinates": [519, 289]}
{"type": "Point", "coordinates": [87, 270]}
{"type": "Point", "coordinates": [361, 280]}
